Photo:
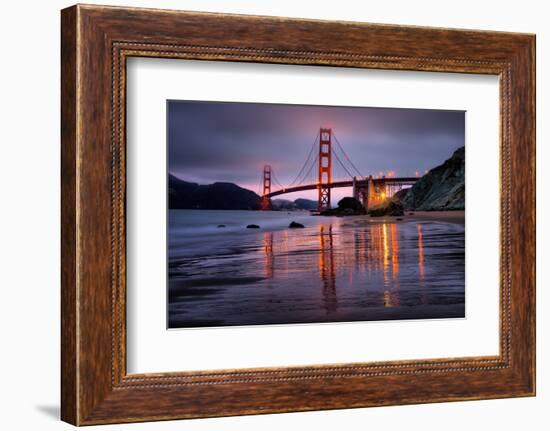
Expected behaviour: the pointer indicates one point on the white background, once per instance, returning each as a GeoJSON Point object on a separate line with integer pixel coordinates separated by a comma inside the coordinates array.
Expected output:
{"type": "Point", "coordinates": [29, 216]}
{"type": "Point", "coordinates": [153, 349]}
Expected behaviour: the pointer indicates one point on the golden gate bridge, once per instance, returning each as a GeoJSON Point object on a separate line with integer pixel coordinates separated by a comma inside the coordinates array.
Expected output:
{"type": "Point", "coordinates": [317, 174]}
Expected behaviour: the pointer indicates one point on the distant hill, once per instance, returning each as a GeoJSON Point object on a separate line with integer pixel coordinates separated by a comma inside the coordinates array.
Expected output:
{"type": "Point", "coordinates": [441, 189]}
{"type": "Point", "coordinates": [219, 196]}
{"type": "Point", "coordinates": [282, 204]}
{"type": "Point", "coordinates": [298, 204]}
{"type": "Point", "coordinates": [305, 204]}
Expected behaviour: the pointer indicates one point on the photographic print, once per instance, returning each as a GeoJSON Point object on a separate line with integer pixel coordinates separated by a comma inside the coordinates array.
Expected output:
{"type": "Point", "coordinates": [294, 214]}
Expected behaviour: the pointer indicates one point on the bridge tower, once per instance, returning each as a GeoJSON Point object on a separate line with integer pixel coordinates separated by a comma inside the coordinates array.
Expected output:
{"type": "Point", "coordinates": [361, 190]}
{"type": "Point", "coordinates": [325, 168]}
{"type": "Point", "coordinates": [266, 202]}
{"type": "Point", "coordinates": [377, 193]}
{"type": "Point", "coordinates": [371, 193]}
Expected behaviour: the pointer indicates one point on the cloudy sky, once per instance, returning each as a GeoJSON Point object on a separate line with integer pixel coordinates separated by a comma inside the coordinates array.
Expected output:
{"type": "Point", "coordinates": [231, 142]}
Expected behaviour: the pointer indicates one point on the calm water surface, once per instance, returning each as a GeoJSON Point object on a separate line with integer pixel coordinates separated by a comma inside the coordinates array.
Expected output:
{"type": "Point", "coordinates": [334, 270]}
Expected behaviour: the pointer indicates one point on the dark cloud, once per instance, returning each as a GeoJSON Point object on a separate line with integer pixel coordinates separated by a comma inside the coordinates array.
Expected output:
{"type": "Point", "coordinates": [216, 141]}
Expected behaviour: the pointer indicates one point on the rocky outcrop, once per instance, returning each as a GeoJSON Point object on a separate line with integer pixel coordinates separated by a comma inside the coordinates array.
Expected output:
{"type": "Point", "coordinates": [441, 189]}
{"type": "Point", "coordinates": [346, 207]}
{"type": "Point", "coordinates": [388, 208]}
{"type": "Point", "coordinates": [295, 225]}
{"type": "Point", "coordinates": [217, 196]}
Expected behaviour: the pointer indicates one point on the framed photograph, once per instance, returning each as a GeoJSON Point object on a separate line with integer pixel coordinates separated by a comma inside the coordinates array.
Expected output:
{"type": "Point", "coordinates": [264, 215]}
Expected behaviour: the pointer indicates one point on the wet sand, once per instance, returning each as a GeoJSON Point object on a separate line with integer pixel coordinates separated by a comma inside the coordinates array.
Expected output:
{"type": "Point", "coordinates": [436, 216]}
{"type": "Point", "coordinates": [444, 216]}
{"type": "Point", "coordinates": [336, 269]}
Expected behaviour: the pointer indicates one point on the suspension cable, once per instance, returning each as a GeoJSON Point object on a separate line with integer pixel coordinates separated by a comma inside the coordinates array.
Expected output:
{"type": "Point", "coordinates": [310, 169]}
{"type": "Point", "coordinates": [307, 174]}
{"type": "Point", "coordinates": [276, 180]}
{"type": "Point", "coordinates": [313, 162]}
{"type": "Point", "coordinates": [306, 162]}
{"type": "Point", "coordinates": [341, 164]}
{"type": "Point", "coordinates": [347, 158]}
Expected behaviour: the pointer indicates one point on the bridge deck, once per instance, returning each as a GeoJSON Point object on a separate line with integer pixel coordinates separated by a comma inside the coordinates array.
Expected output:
{"type": "Point", "coordinates": [347, 183]}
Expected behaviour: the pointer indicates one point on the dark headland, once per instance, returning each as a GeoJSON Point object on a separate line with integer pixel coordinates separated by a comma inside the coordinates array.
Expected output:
{"type": "Point", "coordinates": [224, 196]}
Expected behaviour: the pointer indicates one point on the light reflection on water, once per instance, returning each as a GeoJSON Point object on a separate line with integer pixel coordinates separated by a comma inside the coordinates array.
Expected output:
{"type": "Point", "coordinates": [334, 270]}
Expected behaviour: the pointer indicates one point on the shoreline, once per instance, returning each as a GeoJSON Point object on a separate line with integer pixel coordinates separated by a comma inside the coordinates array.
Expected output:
{"type": "Point", "coordinates": [456, 217]}
{"type": "Point", "coordinates": [272, 222]}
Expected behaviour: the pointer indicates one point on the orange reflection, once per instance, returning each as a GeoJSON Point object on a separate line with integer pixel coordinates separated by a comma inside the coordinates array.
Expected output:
{"type": "Point", "coordinates": [285, 244]}
{"type": "Point", "coordinates": [388, 299]}
{"type": "Point", "coordinates": [361, 250]}
{"type": "Point", "coordinates": [395, 251]}
{"type": "Point", "coordinates": [327, 268]}
{"type": "Point", "coordinates": [269, 258]}
{"type": "Point", "coordinates": [423, 296]}
{"type": "Point", "coordinates": [375, 249]}
{"type": "Point", "coordinates": [386, 254]}
{"type": "Point", "coordinates": [420, 251]}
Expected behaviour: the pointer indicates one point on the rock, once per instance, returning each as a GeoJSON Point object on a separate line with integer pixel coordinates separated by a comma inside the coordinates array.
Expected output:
{"type": "Point", "coordinates": [221, 225]}
{"type": "Point", "coordinates": [294, 225]}
{"type": "Point", "coordinates": [253, 226]}
{"type": "Point", "coordinates": [441, 189]}
{"type": "Point", "coordinates": [346, 207]}
{"type": "Point", "coordinates": [395, 209]}
{"type": "Point", "coordinates": [400, 194]}
{"type": "Point", "coordinates": [388, 208]}
{"type": "Point", "coordinates": [399, 219]}
{"type": "Point", "coordinates": [411, 213]}
{"type": "Point", "coordinates": [351, 204]}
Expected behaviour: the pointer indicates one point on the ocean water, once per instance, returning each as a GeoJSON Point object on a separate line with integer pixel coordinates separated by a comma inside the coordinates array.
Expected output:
{"type": "Point", "coordinates": [333, 270]}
